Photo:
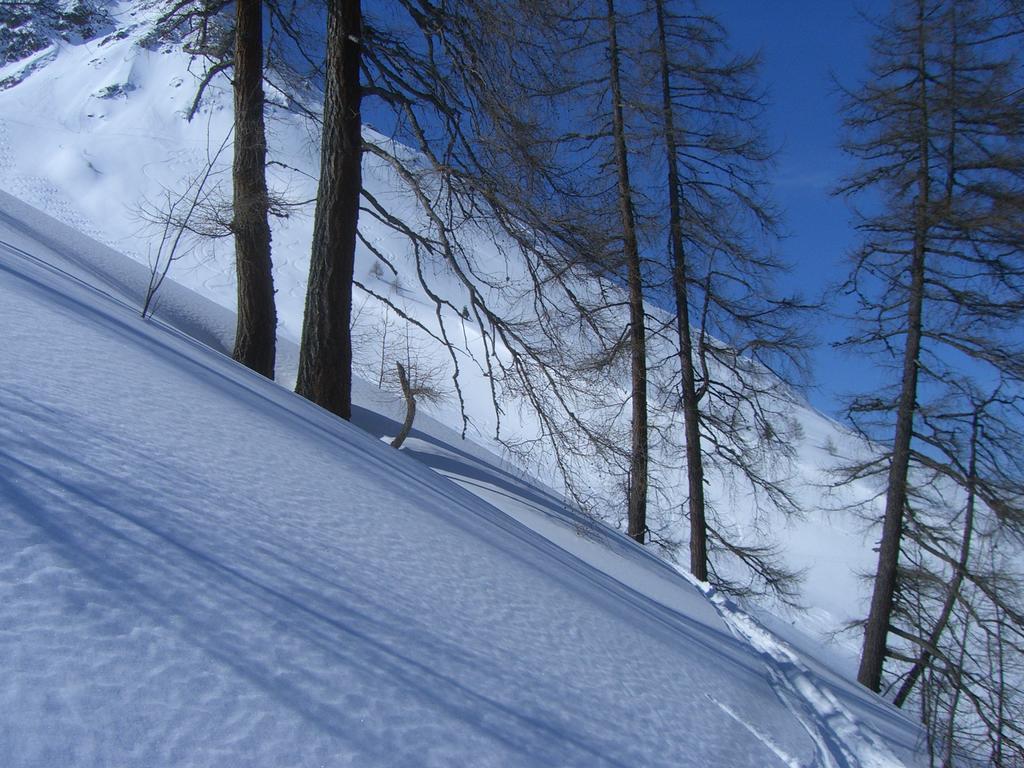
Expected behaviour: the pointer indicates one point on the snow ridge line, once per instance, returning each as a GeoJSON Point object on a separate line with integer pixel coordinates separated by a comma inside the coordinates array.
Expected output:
{"type": "Point", "coordinates": [123, 303]}
{"type": "Point", "coordinates": [840, 741]}
{"type": "Point", "coordinates": [53, 269]}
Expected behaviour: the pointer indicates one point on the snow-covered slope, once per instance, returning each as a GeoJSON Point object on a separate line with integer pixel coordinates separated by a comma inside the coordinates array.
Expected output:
{"type": "Point", "coordinates": [198, 567]}
{"type": "Point", "coordinates": [93, 132]}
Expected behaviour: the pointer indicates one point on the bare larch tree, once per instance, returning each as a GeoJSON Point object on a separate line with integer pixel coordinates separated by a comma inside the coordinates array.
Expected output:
{"type": "Point", "coordinates": [256, 330]}
{"type": "Point", "coordinates": [325, 355]}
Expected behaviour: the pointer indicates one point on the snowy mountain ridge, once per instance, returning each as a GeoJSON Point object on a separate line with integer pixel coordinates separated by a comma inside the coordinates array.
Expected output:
{"type": "Point", "coordinates": [29, 29]}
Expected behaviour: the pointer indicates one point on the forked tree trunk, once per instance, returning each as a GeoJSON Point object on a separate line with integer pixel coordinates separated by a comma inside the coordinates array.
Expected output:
{"type": "Point", "coordinates": [325, 357]}
{"type": "Point", "coordinates": [877, 629]}
{"type": "Point", "coordinates": [691, 412]}
{"type": "Point", "coordinates": [410, 407]}
{"type": "Point", "coordinates": [637, 514]}
{"type": "Point", "coordinates": [255, 333]}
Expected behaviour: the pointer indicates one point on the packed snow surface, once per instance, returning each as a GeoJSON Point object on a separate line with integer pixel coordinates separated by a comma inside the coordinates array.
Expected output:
{"type": "Point", "coordinates": [94, 134]}
{"type": "Point", "coordinates": [197, 567]}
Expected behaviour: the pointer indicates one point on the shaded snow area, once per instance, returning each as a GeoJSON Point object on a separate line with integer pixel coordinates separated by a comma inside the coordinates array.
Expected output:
{"type": "Point", "coordinates": [93, 131]}
{"type": "Point", "coordinates": [199, 568]}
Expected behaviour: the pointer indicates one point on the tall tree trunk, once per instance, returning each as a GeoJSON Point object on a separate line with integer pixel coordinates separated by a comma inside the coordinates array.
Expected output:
{"type": "Point", "coordinates": [637, 516]}
{"type": "Point", "coordinates": [255, 334]}
{"type": "Point", "coordinates": [691, 413]}
{"type": "Point", "coordinates": [953, 591]}
{"type": "Point", "coordinates": [325, 357]}
{"type": "Point", "coordinates": [877, 628]}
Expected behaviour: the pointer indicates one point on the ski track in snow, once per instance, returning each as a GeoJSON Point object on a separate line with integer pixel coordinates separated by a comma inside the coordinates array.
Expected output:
{"type": "Point", "coordinates": [841, 742]}
{"type": "Point", "coordinates": [764, 738]}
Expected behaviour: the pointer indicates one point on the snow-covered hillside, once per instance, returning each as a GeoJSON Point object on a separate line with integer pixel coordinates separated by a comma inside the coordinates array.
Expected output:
{"type": "Point", "coordinates": [92, 130]}
{"type": "Point", "coordinates": [197, 567]}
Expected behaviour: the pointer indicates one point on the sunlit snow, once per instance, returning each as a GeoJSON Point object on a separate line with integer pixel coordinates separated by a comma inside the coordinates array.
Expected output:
{"type": "Point", "coordinates": [199, 568]}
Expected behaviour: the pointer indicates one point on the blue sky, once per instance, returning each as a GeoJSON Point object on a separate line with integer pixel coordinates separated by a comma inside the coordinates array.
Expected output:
{"type": "Point", "coordinates": [804, 43]}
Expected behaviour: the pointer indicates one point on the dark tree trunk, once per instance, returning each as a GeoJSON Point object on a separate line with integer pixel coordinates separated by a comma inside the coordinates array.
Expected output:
{"type": "Point", "coordinates": [691, 413]}
{"type": "Point", "coordinates": [953, 593]}
{"type": "Point", "coordinates": [255, 334]}
{"type": "Point", "coordinates": [410, 407]}
{"type": "Point", "coordinates": [877, 628]}
{"type": "Point", "coordinates": [325, 357]}
{"type": "Point", "coordinates": [637, 516]}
